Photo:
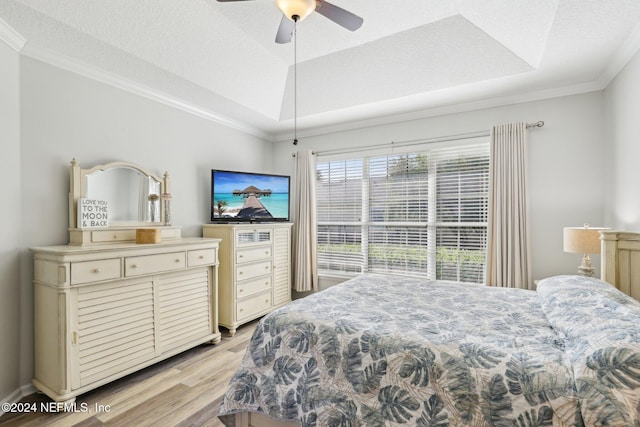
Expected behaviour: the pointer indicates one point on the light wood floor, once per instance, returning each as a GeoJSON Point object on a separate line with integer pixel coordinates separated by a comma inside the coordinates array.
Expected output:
{"type": "Point", "coordinates": [184, 390]}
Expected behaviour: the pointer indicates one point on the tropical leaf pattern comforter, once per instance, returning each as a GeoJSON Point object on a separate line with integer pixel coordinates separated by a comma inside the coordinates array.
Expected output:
{"type": "Point", "coordinates": [396, 351]}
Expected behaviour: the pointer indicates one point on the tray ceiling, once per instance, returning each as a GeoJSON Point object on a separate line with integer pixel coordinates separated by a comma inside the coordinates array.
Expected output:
{"type": "Point", "coordinates": [410, 57]}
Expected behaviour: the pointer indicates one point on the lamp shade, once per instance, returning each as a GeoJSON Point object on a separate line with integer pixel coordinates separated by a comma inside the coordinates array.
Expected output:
{"type": "Point", "coordinates": [299, 8]}
{"type": "Point", "coordinates": [582, 240]}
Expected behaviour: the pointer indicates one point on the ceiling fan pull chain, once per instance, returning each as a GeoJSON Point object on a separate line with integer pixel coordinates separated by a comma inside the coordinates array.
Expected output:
{"type": "Point", "coordinates": [295, 80]}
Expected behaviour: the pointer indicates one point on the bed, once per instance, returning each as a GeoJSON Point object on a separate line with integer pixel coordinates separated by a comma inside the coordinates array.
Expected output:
{"type": "Point", "coordinates": [391, 350]}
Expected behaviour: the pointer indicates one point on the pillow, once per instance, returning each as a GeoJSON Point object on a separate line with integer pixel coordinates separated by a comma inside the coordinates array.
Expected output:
{"type": "Point", "coordinates": [568, 300]}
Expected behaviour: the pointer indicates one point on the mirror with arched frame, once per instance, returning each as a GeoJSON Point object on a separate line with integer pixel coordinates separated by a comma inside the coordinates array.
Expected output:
{"type": "Point", "coordinates": [132, 196]}
{"type": "Point", "coordinates": [136, 198]}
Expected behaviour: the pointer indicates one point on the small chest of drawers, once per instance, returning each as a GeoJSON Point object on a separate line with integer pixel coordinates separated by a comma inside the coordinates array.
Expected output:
{"type": "Point", "coordinates": [255, 269]}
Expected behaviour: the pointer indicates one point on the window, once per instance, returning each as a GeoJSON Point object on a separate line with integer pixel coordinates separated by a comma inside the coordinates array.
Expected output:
{"type": "Point", "coordinates": [421, 213]}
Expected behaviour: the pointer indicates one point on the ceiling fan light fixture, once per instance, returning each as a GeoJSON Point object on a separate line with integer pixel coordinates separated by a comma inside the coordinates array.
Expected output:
{"type": "Point", "coordinates": [299, 8]}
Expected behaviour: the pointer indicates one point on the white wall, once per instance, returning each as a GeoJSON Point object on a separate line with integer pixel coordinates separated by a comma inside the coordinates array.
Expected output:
{"type": "Point", "coordinates": [566, 170]}
{"type": "Point", "coordinates": [622, 106]}
{"type": "Point", "coordinates": [64, 116]}
{"type": "Point", "coordinates": [10, 219]}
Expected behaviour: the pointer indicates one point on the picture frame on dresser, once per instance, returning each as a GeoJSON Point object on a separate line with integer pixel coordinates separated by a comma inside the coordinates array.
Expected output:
{"type": "Point", "coordinates": [106, 306]}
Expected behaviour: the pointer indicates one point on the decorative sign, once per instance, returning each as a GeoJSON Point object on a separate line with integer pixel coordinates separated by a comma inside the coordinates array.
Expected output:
{"type": "Point", "coordinates": [93, 213]}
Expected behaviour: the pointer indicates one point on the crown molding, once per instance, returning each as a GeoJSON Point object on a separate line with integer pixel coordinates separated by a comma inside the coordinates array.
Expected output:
{"type": "Point", "coordinates": [619, 60]}
{"type": "Point", "coordinates": [11, 37]}
{"type": "Point", "coordinates": [73, 65]}
{"type": "Point", "coordinates": [455, 108]}
{"type": "Point", "coordinates": [621, 57]}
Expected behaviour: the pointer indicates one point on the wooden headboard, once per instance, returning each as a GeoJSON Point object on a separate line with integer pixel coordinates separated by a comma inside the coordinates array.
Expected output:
{"type": "Point", "coordinates": [620, 261]}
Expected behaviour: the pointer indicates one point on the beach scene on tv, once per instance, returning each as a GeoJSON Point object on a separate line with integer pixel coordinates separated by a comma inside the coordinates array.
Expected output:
{"type": "Point", "coordinates": [246, 196]}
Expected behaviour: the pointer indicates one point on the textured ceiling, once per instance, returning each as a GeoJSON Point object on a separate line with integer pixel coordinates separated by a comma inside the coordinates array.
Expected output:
{"type": "Point", "coordinates": [409, 56]}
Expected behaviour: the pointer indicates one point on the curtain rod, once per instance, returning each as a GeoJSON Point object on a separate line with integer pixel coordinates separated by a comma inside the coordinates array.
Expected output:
{"type": "Point", "coordinates": [411, 142]}
{"type": "Point", "coordinates": [537, 124]}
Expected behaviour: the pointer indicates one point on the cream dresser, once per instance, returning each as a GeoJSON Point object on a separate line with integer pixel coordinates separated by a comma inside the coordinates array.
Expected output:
{"type": "Point", "coordinates": [105, 306]}
{"type": "Point", "coordinates": [104, 312]}
{"type": "Point", "coordinates": [255, 270]}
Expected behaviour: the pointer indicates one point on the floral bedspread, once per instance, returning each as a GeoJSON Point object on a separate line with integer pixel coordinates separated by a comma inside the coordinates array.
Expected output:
{"type": "Point", "coordinates": [399, 351]}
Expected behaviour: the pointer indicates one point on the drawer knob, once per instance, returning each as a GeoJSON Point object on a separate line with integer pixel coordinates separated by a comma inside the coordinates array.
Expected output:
{"type": "Point", "coordinates": [266, 267]}
{"type": "Point", "coordinates": [241, 256]}
{"type": "Point", "coordinates": [240, 273]}
{"type": "Point", "coordinates": [97, 270]}
{"type": "Point", "coordinates": [177, 259]}
{"type": "Point", "coordinates": [201, 257]}
{"type": "Point", "coordinates": [241, 310]}
{"type": "Point", "coordinates": [134, 265]}
{"type": "Point", "coordinates": [266, 300]}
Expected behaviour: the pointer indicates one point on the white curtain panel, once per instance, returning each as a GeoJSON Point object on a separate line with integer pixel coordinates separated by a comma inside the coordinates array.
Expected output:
{"type": "Point", "coordinates": [305, 274]}
{"type": "Point", "coordinates": [508, 253]}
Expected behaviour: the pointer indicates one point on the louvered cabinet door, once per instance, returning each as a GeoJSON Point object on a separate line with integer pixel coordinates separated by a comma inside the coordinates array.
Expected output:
{"type": "Point", "coordinates": [114, 330]}
{"type": "Point", "coordinates": [184, 308]}
{"type": "Point", "coordinates": [281, 266]}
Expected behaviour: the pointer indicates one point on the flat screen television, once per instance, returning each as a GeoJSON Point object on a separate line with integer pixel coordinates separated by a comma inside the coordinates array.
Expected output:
{"type": "Point", "coordinates": [249, 197]}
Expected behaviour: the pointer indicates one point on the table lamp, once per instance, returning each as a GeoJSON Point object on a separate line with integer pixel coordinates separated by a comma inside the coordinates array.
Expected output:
{"type": "Point", "coordinates": [583, 240]}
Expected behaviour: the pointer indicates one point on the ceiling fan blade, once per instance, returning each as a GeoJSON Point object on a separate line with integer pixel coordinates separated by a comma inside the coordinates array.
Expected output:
{"type": "Point", "coordinates": [285, 30]}
{"type": "Point", "coordinates": [339, 15]}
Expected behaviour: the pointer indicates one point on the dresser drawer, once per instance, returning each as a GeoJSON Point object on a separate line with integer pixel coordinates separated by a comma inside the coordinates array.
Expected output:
{"type": "Point", "coordinates": [151, 264]}
{"type": "Point", "coordinates": [251, 271]}
{"type": "Point", "coordinates": [249, 287]}
{"type": "Point", "coordinates": [201, 257]}
{"type": "Point", "coordinates": [253, 306]}
{"type": "Point", "coordinates": [95, 271]}
{"type": "Point", "coordinates": [253, 254]}
{"type": "Point", "coordinates": [171, 233]}
{"type": "Point", "coordinates": [105, 236]}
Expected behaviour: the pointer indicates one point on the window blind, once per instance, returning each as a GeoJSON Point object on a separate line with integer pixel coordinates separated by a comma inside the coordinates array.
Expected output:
{"type": "Point", "coordinates": [421, 213]}
{"type": "Point", "coordinates": [340, 205]}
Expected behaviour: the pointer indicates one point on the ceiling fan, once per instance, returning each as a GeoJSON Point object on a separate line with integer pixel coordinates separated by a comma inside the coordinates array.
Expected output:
{"type": "Point", "coordinates": [296, 10]}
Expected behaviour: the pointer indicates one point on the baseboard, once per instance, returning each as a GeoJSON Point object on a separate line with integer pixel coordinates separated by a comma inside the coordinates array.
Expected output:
{"type": "Point", "coordinates": [17, 395]}
{"type": "Point", "coordinates": [28, 389]}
